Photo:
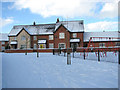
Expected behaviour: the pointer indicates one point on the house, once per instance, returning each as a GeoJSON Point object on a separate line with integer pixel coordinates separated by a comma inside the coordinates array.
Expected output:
{"type": "Point", "coordinates": [62, 34]}
{"type": "Point", "coordinates": [3, 41]}
{"type": "Point", "coordinates": [102, 39]}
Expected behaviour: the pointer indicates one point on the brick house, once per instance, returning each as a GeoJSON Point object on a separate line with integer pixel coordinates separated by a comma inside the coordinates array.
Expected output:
{"type": "Point", "coordinates": [62, 34]}
{"type": "Point", "coordinates": [107, 40]}
{"type": "Point", "coordinates": [3, 41]}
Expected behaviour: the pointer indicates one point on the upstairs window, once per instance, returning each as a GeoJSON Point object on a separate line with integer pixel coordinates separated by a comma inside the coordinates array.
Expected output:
{"type": "Point", "coordinates": [23, 38]}
{"type": "Point", "coordinates": [74, 35]}
{"type": "Point", "coordinates": [35, 37]}
{"type": "Point", "coordinates": [61, 35]}
{"type": "Point", "coordinates": [50, 37]}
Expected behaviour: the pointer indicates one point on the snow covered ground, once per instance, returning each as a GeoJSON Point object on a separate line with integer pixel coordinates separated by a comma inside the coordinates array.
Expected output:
{"type": "Point", "coordinates": [0, 72]}
{"type": "Point", "coordinates": [51, 71]}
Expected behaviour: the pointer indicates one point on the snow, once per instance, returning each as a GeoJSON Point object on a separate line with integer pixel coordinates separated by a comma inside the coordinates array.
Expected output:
{"type": "Point", "coordinates": [74, 40]}
{"type": "Point", "coordinates": [0, 72]}
{"type": "Point", "coordinates": [87, 35]}
{"type": "Point", "coordinates": [72, 26]}
{"type": "Point", "coordinates": [33, 30]}
{"type": "Point", "coordinates": [41, 41]}
{"type": "Point", "coordinates": [13, 42]}
{"type": "Point", "coordinates": [51, 71]}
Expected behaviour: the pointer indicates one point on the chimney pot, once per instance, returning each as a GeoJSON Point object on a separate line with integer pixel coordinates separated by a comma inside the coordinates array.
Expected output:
{"type": "Point", "coordinates": [57, 20]}
{"type": "Point", "coordinates": [34, 23]}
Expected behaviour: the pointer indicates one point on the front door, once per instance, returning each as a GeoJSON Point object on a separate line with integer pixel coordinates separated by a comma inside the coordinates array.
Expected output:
{"type": "Point", "coordinates": [41, 46]}
{"type": "Point", "coordinates": [14, 46]}
{"type": "Point", "coordinates": [74, 45]}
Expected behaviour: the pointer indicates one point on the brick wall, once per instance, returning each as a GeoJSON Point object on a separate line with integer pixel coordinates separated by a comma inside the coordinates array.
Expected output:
{"type": "Point", "coordinates": [29, 51]}
{"type": "Point", "coordinates": [66, 40]}
{"type": "Point", "coordinates": [44, 37]}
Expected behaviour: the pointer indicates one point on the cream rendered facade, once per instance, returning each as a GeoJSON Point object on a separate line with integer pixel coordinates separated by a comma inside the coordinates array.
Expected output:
{"type": "Point", "coordinates": [19, 41]}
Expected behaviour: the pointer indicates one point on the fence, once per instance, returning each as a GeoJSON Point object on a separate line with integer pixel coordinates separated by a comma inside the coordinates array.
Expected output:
{"type": "Point", "coordinates": [99, 54]}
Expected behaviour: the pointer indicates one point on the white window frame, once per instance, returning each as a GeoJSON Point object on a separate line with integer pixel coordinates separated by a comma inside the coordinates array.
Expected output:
{"type": "Point", "coordinates": [34, 37]}
{"type": "Point", "coordinates": [51, 44]}
{"type": "Point", "coordinates": [3, 42]}
{"type": "Point", "coordinates": [61, 35]}
{"type": "Point", "coordinates": [50, 37]}
{"type": "Point", "coordinates": [74, 35]}
{"type": "Point", "coordinates": [102, 45]}
{"type": "Point", "coordinates": [23, 38]}
{"type": "Point", "coordinates": [64, 45]}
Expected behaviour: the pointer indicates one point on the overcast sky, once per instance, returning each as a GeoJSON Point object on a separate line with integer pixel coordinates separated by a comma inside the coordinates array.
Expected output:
{"type": "Point", "coordinates": [98, 15]}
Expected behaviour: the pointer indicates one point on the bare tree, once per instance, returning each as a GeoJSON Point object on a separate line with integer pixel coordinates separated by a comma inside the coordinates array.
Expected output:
{"type": "Point", "coordinates": [37, 41]}
{"type": "Point", "coordinates": [27, 40]}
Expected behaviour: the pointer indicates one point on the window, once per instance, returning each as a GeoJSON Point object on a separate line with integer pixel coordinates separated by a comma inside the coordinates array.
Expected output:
{"type": "Point", "coordinates": [35, 37]}
{"type": "Point", "coordinates": [74, 35]}
{"type": "Point", "coordinates": [3, 42]}
{"type": "Point", "coordinates": [50, 37]}
{"type": "Point", "coordinates": [3, 48]}
{"type": "Point", "coordinates": [23, 46]}
{"type": "Point", "coordinates": [61, 45]}
{"type": "Point", "coordinates": [101, 44]}
{"type": "Point", "coordinates": [35, 46]}
{"type": "Point", "coordinates": [61, 35]}
{"type": "Point", "coordinates": [51, 45]}
{"type": "Point", "coordinates": [117, 44]}
{"type": "Point", "coordinates": [23, 38]}
{"type": "Point", "coordinates": [14, 38]}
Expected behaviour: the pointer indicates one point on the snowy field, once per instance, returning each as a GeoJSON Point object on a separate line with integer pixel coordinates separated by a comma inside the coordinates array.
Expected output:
{"type": "Point", "coordinates": [0, 72]}
{"type": "Point", "coordinates": [52, 71]}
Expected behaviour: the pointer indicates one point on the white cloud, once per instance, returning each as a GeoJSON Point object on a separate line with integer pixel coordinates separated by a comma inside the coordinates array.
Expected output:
{"type": "Point", "coordinates": [102, 26]}
{"type": "Point", "coordinates": [67, 8]}
{"type": "Point", "coordinates": [109, 10]}
{"type": "Point", "coordinates": [4, 22]}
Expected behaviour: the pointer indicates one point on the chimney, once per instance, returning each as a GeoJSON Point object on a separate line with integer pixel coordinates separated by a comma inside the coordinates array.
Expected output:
{"type": "Point", "coordinates": [34, 23]}
{"type": "Point", "coordinates": [57, 20]}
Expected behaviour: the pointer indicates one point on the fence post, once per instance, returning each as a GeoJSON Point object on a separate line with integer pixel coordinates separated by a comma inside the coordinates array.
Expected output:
{"type": "Point", "coordinates": [84, 54]}
{"type": "Point", "coordinates": [119, 56]}
{"type": "Point", "coordinates": [73, 52]}
{"type": "Point", "coordinates": [64, 53]}
{"type": "Point", "coordinates": [68, 58]}
{"type": "Point", "coordinates": [53, 52]}
{"type": "Point", "coordinates": [98, 56]}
